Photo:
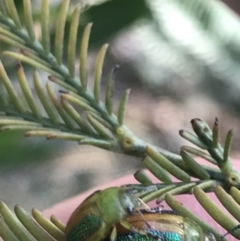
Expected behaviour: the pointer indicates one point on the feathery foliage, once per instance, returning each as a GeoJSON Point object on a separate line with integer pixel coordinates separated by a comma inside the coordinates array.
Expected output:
{"type": "Point", "coordinates": [99, 126]}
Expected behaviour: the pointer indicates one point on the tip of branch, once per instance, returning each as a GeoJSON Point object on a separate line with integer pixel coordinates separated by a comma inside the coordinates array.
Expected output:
{"type": "Point", "coordinates": [19, 65]}
{"type": "Point", "coordinates": [63, 91]}
{"type": "Point", "coordinates": [181, 132]}
{"type": "Point", "coordinates": [52, 136]}
{"type": "Point", "coordinates": [52, 78]}
{"type": "Point", "coordinates": [24, 52]}
{"type": "Point", "coordinates": [195, 120]}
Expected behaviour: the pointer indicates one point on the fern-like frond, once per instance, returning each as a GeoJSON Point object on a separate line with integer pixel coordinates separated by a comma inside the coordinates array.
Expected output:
{"type": "Point", "coordinates": [22, 226]}
{"type": "Point", "coordinates": [101, 128]}
{"type": "Point", "coordinates": [223, 174]}
{"type": "Point", "coordinates": [98, 126]}
{"type": "Point", "coordinates": [231, 204]}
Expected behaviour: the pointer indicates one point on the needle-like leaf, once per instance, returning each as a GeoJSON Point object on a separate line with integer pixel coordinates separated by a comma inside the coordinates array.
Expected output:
{"type": "Point", "coordinates": [83, 56]}
{"type": "Point", "coordinates": [122, 106]}
{"type": "Point", "coordinates": [73, 40]}
{"type": "Point", "coordinates": [59, 38]}
{"type": "Point", "coordinates": [28, 18]}
{"type": "Point", "coordinates": [13, 12]}
{"type": "Point", "coordinates": [45, 25]}
{"type": "Point", "coordinates": [98, 71]}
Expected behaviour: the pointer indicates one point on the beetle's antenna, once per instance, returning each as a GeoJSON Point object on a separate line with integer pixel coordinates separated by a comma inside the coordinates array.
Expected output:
{"type": "Point", "coordinates": [231, 231]}
{"type": "Point", "coordinates": [148, 225]}
{"type": "Point", "coordinates": [147, 208]}
{"type": "Point", "coordinates": [144, 204]}
{"type": "Point", "coordinates": [148, 233]}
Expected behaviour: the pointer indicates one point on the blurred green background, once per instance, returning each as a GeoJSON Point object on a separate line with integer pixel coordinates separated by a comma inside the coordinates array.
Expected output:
{"type": "Point", "coordinates": [181, 59]}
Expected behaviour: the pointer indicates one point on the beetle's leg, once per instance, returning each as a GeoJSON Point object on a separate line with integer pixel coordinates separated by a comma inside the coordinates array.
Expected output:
{"type": "Point", "coordinates": [113, 234]}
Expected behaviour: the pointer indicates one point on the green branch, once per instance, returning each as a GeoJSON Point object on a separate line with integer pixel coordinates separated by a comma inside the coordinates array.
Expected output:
{"type": "Point", "coordinates": [98, 126]}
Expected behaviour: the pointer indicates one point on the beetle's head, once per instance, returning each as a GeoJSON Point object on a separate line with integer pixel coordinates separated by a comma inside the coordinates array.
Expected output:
{"type": "Point", "coordinates": [130, 203]}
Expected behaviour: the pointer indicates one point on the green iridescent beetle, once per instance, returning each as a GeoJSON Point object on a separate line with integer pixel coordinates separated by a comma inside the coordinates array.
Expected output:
{"type": "Point", "coordinates": [97, 216]}
{"type": "Point", "coordinates": [109, 215]}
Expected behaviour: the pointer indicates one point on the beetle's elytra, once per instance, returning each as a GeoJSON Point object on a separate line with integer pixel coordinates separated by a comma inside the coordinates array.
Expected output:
{"type": "Point", "coordinates": [166, 224]}
{"type": "Point", "coordinates": [109, 215]}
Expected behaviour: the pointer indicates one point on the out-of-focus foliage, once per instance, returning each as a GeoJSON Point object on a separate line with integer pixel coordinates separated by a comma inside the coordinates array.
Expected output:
{"type": "Point", "coordinates": [109, 17]}
{"type": "Point", "coordinates": [191, 45]}
{"type": "Point", "coordinates": [24, 151]}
